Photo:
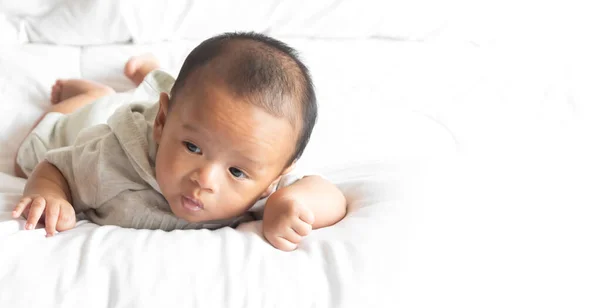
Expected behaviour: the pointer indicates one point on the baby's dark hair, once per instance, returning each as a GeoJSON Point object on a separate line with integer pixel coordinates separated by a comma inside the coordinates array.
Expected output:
{"type": "Point", "coordinates": [262, 70]}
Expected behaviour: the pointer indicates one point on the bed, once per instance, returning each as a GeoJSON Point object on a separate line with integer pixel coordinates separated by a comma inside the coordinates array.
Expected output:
{"type": "Point", "coordinates": [468, 156]}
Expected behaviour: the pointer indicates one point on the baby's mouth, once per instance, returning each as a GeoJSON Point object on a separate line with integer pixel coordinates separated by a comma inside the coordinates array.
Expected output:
{"type": "Point", "coordinates": [191, 204]}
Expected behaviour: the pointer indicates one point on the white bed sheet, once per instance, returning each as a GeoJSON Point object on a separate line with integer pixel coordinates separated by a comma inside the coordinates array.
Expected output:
{"type": "Point", "coordinates": [110, 266]}
{"type": "Point", "coordinates": [493, 190]}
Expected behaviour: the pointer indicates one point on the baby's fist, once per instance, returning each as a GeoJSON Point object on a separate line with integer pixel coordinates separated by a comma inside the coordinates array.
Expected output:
{"type": "Point", "coordinates": [286, 221]}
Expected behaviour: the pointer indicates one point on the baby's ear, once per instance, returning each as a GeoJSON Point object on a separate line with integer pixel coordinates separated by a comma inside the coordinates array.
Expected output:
{"type": "Point", "coordinates": [288, 169]}
{"type": "Point", "coordinates": [271, 187]}
{"type": "Point", "coordinates": [161, 116]}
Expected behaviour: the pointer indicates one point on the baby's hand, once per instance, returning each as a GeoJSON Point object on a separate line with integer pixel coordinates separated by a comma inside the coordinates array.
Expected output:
{"type": "Point", "coordinates": [286, 221]}
{"type": "Point", "coordinates": [59, 213]}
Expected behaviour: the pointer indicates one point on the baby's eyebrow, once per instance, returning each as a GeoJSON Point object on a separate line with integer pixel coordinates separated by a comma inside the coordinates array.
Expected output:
{"type": "Point", "coordinates": [190, 127]}
{"type": "Point", "coordinates": [255, 163]}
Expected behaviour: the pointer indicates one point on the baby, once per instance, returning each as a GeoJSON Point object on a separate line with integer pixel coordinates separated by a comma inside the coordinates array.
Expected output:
{"type": "Point", "coordinates": [196, 152]}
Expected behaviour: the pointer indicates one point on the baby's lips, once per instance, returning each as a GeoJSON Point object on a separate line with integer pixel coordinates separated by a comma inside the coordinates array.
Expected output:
{"type": "Point", "coordinates": [192, 203]}
{"type": "Point", "coordinates": [197, 202]}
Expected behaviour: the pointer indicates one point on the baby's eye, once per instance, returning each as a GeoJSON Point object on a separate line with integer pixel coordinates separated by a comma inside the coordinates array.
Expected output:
{"type": "Point", "coordinates": [192, 147]}
{"type": "Point", "coordinates": [237, 172]}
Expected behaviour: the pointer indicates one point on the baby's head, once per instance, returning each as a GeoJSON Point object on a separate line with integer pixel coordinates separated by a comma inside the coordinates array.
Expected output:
{"type": "Point", "coordinates": [238, 116]}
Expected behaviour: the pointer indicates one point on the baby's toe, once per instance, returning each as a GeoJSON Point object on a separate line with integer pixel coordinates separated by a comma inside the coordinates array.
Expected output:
{"type": "Point", "coordinates": [131, 67]}
{"type": "Point", "coordinates": [56, 91]}
{"type": "Point", "coordinates": [53, 99]}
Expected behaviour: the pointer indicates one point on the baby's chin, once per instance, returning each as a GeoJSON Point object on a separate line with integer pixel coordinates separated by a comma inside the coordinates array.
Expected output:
{"type": "Point", "coordinates": [193, 218]}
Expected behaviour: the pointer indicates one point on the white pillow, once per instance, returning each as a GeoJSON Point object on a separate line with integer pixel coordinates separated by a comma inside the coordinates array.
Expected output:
{"type": "Point", "coordinates": [313, 18]}
{"type": "Point", "coordinates": [81, 22]}
{"type": "Point", "coordinates": [29, 7]}
{"type": "Point", "coordinates": [89, 22]}
{"type": "Point", "coordinates": [10, 30]}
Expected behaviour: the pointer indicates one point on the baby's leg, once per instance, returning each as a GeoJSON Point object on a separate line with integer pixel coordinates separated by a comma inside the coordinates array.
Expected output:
{"type": "Point", "coordinates": [138, 67]}
{"type": "Point", "coordinates": [69, 95]}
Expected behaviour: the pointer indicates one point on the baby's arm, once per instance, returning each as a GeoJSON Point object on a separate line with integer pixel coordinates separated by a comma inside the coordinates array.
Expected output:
{"type": "Point", "coordinates": [47, 192]}
{"type": "Point", "coordinates": [293, 211]}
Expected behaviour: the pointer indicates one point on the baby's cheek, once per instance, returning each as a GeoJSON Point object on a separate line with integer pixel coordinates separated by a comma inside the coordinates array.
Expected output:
{"type": "Point", "coordinates": [166, 170]}
{"type": "Point", "coordinates": [172, 169]}
{"type": "Point", "coordinates": [250, 198]}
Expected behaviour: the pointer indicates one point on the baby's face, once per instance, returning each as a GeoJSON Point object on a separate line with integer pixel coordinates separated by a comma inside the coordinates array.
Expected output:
{"type": "Point", "coordinates": [217, 155]}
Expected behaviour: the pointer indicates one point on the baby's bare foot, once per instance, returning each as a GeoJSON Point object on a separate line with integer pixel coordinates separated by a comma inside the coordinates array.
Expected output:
{"type": "Point", "coordinates": [64, 89]}
{"type": "Point", "coordinates": [137, 67]}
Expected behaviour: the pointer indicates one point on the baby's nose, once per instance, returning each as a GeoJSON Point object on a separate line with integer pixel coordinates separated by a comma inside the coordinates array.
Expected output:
{"type": "Point", "coordinates": [206, 177]}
